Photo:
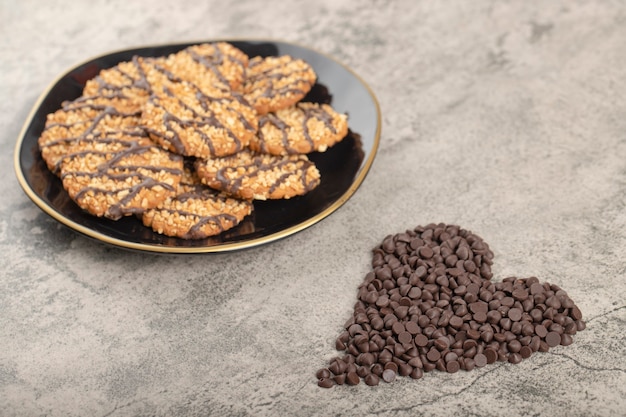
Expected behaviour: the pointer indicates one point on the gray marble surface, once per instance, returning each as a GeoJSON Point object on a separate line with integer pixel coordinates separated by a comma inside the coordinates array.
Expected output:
{"type": "Point", "coordinates": [506, 118]}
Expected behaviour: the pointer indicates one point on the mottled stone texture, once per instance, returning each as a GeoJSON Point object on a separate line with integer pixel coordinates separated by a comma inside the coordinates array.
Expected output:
{"type": "Point", "coordinates": [506, 118]}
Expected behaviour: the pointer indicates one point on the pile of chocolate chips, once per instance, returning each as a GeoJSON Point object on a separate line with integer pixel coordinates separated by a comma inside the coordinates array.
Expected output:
{"type": "Point", "coordinates": [429, 304]}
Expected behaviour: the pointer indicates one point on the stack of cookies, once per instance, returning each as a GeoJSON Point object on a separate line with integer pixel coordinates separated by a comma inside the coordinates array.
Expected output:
{"type": "Point", "coordinates": [188, 141]}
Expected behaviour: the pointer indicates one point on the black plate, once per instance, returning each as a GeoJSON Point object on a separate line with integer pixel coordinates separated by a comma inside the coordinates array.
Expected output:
{"type": "Point", "coordinates": [342, 167]}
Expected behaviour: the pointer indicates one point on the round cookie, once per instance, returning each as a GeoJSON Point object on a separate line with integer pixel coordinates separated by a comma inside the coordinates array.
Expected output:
{"type": "Point", "coordinates": [123, 176]}
{"type": "Point", "coordinates": [299, 129]}
{"type": "Point", "coordinates": [274, 83]}
{"type": "Point", "coordinates": [209, 65]}
{"type": "Point", "coordinates": [196, 211]}
{"type": "Point", "coordinates": [84, 120]}
{"type": "Point", "coordinates": [185, 120]}
{"type": "Point", "coordinates": [130, 78]}
{"type": "Point", "coordinates": [250, 175]}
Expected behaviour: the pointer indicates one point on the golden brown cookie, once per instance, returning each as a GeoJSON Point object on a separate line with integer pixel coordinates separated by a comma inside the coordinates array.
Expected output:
{"type": "Point", "coordinates": [274, 83]}
{"type": "Point", "coordinates": [196, 211]}
{"type": "Point", "coordinates": [121, 176]}
{"type": "Point", "coordinates": [209, 65]}
{"type": "Point", "coordinates": [250, 175]}
{"type": "Point", "coordinates": [85, 120]}
{"type": "Point", "coordinates": [299, 129]}
{"type": "Point", "coordinates": [185, 120]}
{"type": "Point", "coordinates": [131, 79]}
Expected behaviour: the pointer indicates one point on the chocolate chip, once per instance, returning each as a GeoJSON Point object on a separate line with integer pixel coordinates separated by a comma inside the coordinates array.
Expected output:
{"type": "Point", "coordinates": [385, 356]}
{"type": "Point", "coordinates": [363, 371]}
{"type": "Point", "coordinates": [479, 306]}
{"type": "Point", "coordinates": [405, 369]}
{"type": "Point", "coordinates": [575, 313]}
{"type": "Point", "coordinates": [481, 360]}
{"type": "Point", "coordinates": [365, 359]}
{"type": "Point", "coordinates": [397, 327]}
{"type": "Point", "coordinates": [566, 339]}
{"type": "Point", "coordinates": [514, 346]}
{"type": "Point", "coordinates": [536, 288]}
{"type": "Point", "coordinates": [553, 339]}
{"type": "Point", "coordinates": [452, 366]}
{"type": "Point", "coordinates": [491, 355]}
{"type": "Point", "coordinates": [413, 328]}
{"type": "Point", "coordinates": [526, 352]}
{"type": "Point", "coordinates": [421, 340]}
{"type": "Point", "coordinates": [415, 362]}
{"type": "Point", "coordinates": [391, 365]}
{"type": "Point", "coordinates": [323, 373]}
{"type": "Point", "coordinates": [507, 301]}
{"type": "Point", "coordinates": [433, 355]}
{"type": "Point", "coordinates": [416, 373]}
{"type": "Point", "coordinates": [426, 252]}
{"type": "Point", "coordinates": [520, 294]}
{"type": "Point", "coordinates": [541, 331]}
{"type": "Point", "coordinates": [487, 336]}
{"type": "Point", "coordinates": [405, 337]}
{"type": "Point", "coordinates": [515, 314]}
{"type": "Point", "coordinates": [463, 252]}
{"type": "Point", "coordinates": [340, 379]}
{"type": "Point", "coordinates": [480, 317]}
{"type": "Point", "coordinates": [325, 383]}
{"type": "Point", "coordinates": [389, 375]}
{"type": "Point", "coordinates": [372, 380]}
{"type": "Point", "coordinates": [352, 378]}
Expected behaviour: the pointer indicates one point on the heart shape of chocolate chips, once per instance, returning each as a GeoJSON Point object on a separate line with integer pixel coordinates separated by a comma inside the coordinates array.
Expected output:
{"type": "Point", "coordinates": [429, 304]}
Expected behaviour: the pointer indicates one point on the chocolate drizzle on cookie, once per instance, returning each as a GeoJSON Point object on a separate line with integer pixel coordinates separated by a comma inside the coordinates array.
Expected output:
{"type": "Point", "coordinates": [300, 129]}
{"type": "Point", "coordinates": [199, 194]}
{"type": "Point", "coordinates": [119, 168]}
{"type": "Point", "coordinates": [196, 211]}
{"type": "Point", "coordinates": [223, 61]}
{"type": "Point", "coordinates": [260, 176]}
{"type": "Point", "coordinates": [198, 117]}
{"type": "Point", "coordinates": [273, 83]}
{"type": "Point", "coordinates": [319, 113]}
{"type": "Point", "coordinates": [271, 118]}
{"type": "Point", "coordinates": [86, 121]}
{"type": "Point", "coordinates": [125, 79]}
{"type": "Point", "coordinates": [212, 63]}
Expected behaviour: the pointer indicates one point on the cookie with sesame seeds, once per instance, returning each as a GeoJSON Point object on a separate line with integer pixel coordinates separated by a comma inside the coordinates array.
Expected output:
{"type": "Point", "coordinates": [251, 175]}
{"type": "Point", "coordinates": [124, 175]}
{"type": "Point", "coordinates": [196, 211]}
{"type": "Point", "coordinates": [276, 82]}
{"type": "Point", "coordinates": [300, 129]}
{"type": "Point", "coordinates": [188, 121]}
